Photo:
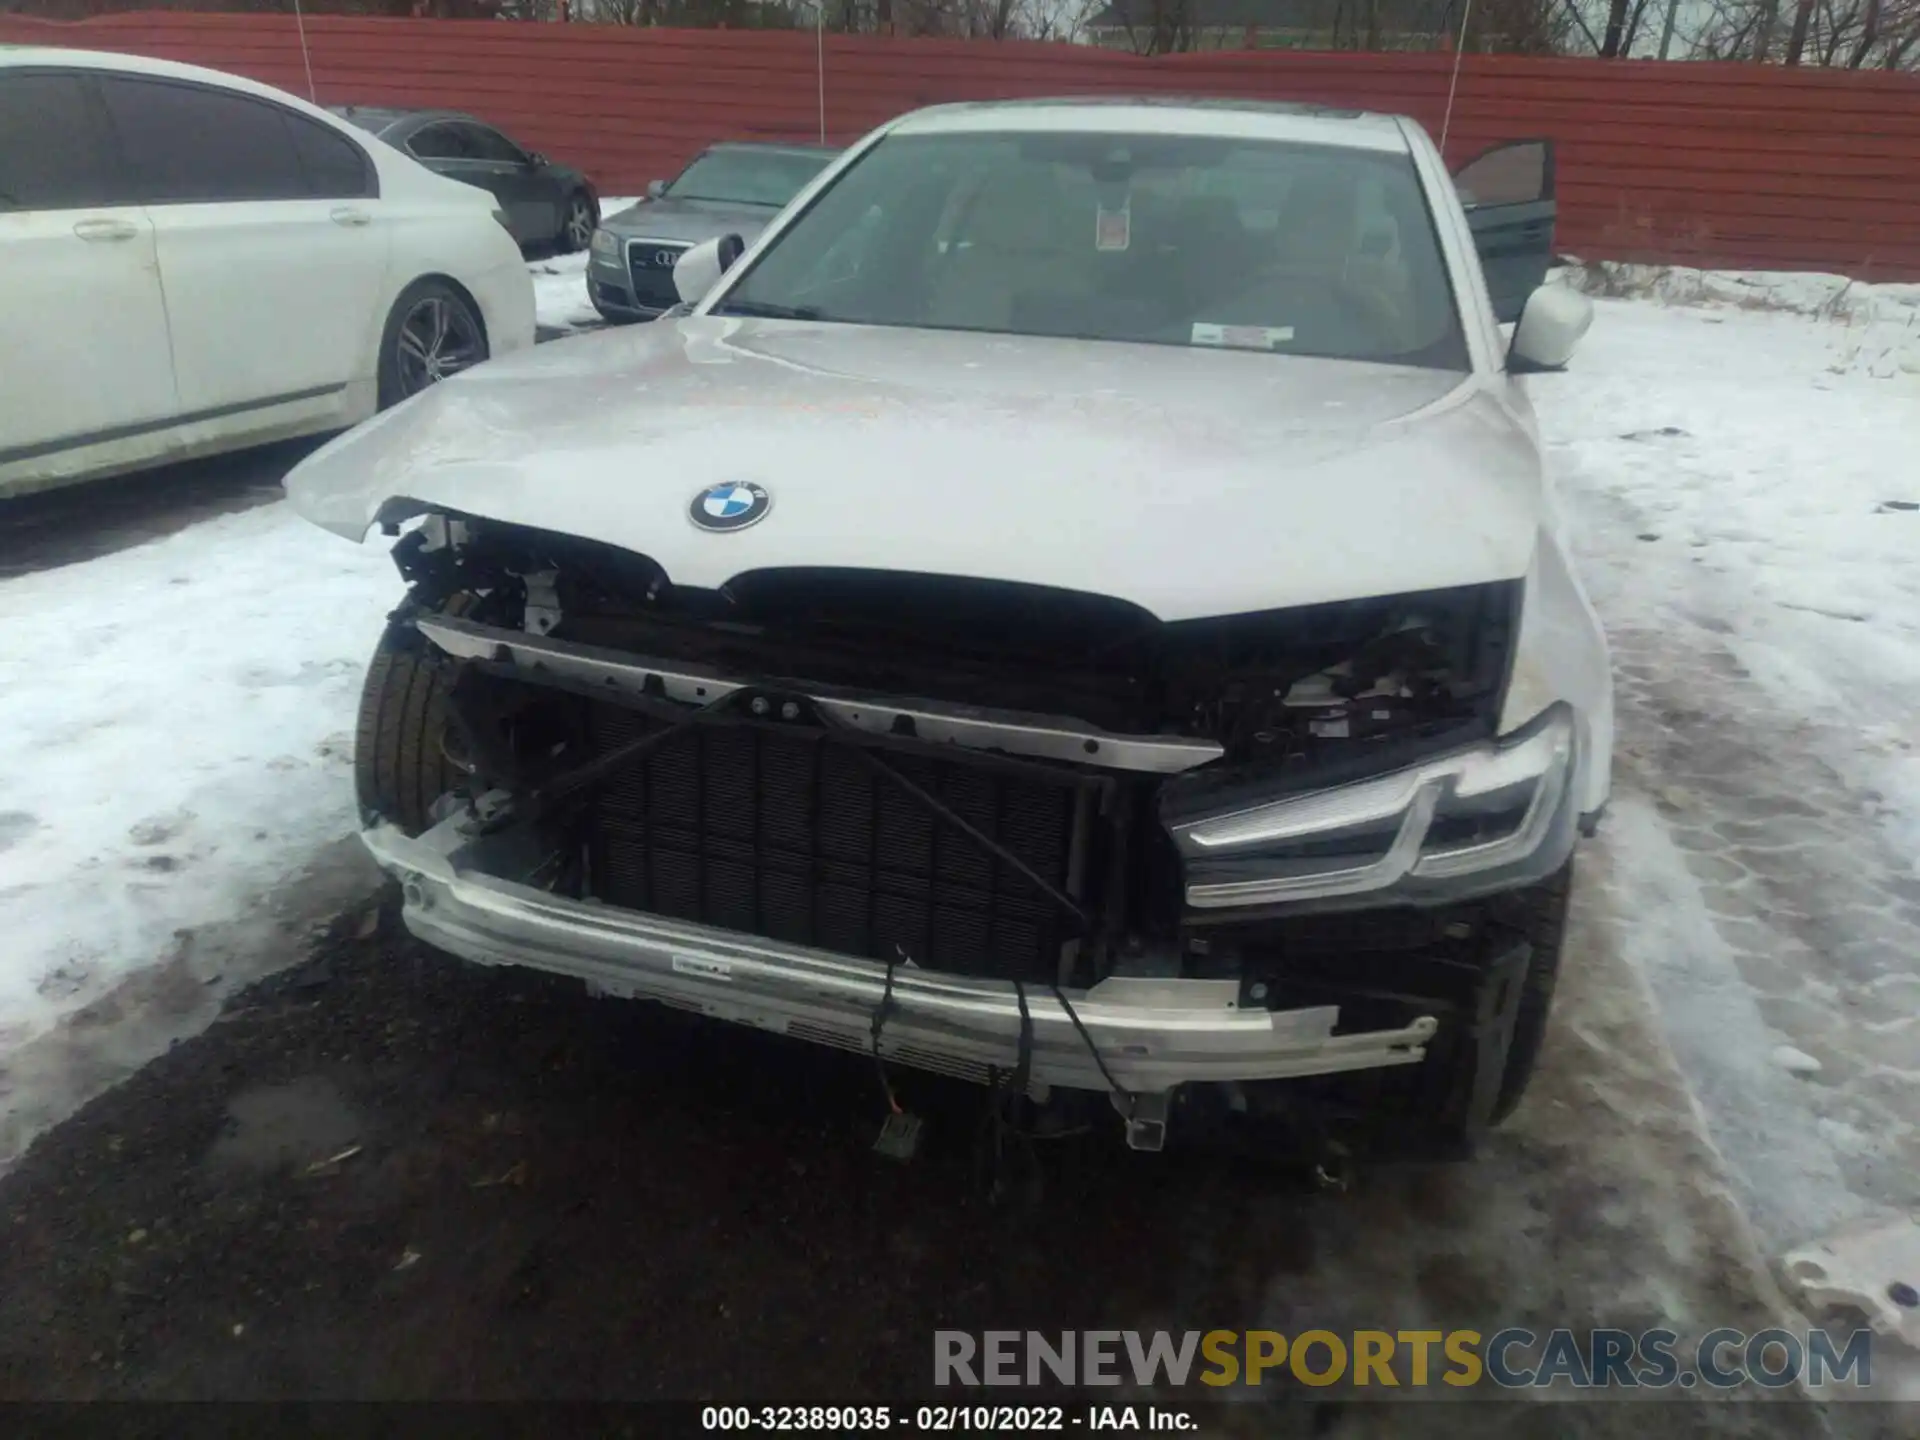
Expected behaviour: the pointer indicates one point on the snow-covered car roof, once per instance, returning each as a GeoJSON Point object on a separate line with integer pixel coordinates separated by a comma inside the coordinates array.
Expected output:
{"type": "Point", "coordinates": [1228, 119]}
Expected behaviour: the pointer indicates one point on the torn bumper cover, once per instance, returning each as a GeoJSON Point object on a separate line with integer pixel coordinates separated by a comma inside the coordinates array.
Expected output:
{"type": "Point", "coordinates": [1152, 1034]}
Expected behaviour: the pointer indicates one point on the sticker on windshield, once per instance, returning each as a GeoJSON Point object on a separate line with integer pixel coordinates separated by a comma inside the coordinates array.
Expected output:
{"type": "Point", "coordinates": [1242, 337]}
{"type": "Point", "coordinates": [1113, 229]}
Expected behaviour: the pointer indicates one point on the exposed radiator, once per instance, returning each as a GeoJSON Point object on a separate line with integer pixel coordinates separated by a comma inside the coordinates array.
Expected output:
{"type": "Point", "coordinates": [783, 833]}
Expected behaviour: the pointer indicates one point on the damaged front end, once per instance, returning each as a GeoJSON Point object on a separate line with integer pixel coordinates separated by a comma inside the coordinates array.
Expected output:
{"type": "Point", "coordinates": [985, 828]}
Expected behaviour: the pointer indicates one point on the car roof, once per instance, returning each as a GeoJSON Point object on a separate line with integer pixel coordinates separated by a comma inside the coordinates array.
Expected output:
{"type": "Point", "coordinates": [1231, 119]}
{"type": "Point", "coordinates": [771, 147]}
{"type": "Point", "coordinates": [385, 117]}
{"type": "Point", "coordinates": [36, 56]}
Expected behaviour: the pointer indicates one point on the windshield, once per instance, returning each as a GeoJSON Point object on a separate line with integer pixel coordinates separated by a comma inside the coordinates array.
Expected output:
{"type": "Point", "coordinates": [747, 177]}
{"type": "Point", "coordinates": [1178, 240]}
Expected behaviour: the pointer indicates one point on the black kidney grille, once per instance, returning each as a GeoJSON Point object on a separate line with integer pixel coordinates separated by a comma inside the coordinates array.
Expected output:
{"type": "Point", "coordinates": [785, 834]}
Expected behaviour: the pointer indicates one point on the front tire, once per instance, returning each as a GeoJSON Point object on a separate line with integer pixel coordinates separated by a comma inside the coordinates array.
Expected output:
{"type": "Point", "coordinates": [432, 332]}
{"type": "Point", "coordinates": [1460, 1101]}
{"type": "Point", "coordinates": [1541, 910]}
{"type": "Point", "coordinates": [400, 763]}
{"type": "Point", "coordinates": [1492, 1001]}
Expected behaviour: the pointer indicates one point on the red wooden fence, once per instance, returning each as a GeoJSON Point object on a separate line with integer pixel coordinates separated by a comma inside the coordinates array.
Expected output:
{"type": "Point", "coordinates": [1714, 165]}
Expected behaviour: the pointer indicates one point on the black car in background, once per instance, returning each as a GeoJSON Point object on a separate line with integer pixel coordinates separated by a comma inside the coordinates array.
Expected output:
{"type": "Point", "coordinates": [733, 188]}
{"type": "Point", "coordinates": [545, 203]}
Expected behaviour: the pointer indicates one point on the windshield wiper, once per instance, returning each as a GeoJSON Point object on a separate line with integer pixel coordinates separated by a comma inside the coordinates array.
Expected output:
{"type": "Point", "coordinates": [766, 310]}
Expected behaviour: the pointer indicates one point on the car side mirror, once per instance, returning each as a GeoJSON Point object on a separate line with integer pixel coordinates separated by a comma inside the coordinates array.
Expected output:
{"type": "Point", "coordinates": [700, 268]}
{"type": "Point", "coordinates": [534, 157]}
{"type": "Point", "coordinates": [1551, 326]}
{"type": "Point", "coordinates": [655, 189]}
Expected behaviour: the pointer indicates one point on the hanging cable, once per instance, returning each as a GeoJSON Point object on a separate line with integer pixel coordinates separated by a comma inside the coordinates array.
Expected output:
{"type": "Point", "coordinates": [1004, 1121]}
{"type": "Point", "coordinates": [881, 1013]}
{"type": "Point", "coordinates": [1453, 85]}
{"type": "Point", "coordinates": [820, 60]}
{"type": "Point", "coordinates": [1023, 1057]}
{"type": "Point", "coordinates": [1128, 1105]}
{"type": "Point", "coordinates": [300, 23]}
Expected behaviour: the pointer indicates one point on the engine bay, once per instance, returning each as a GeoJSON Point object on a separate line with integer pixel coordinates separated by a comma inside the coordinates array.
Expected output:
{"type": "Point", "coordinates": [1279, 690]}
{"type": "Point", "coordinates": [746, 801]}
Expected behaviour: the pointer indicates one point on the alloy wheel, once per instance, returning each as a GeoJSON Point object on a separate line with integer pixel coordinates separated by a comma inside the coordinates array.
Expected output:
{"type": "Point", "coordinates": [438, 338]}
{"type": "Point", "coordinates": [579, 224]}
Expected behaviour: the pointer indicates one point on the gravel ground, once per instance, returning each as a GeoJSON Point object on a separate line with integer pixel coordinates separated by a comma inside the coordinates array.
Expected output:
{"type": "Point", "coordinates": [550, 1196]}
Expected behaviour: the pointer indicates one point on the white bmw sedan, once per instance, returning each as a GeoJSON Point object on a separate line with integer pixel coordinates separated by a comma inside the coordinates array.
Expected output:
{"type": "Point", "coordinates": [1077, 604]}
{"type": "Point", "coordinates": [191, 263]}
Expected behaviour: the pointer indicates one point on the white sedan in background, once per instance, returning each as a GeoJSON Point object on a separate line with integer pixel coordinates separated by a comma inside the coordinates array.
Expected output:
{"type": "Point", "coordinates": [191, 263]}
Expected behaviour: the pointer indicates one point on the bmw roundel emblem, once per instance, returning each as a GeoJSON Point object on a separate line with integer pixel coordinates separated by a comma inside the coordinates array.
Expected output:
{"type": "Point", "coordinates": [733, 505]}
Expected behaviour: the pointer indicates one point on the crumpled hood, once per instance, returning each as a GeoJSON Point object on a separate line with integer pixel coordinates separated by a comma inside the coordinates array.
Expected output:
{"type": "Point", "coordinates": [1191, 482]}
{"type": "Point", "coordinates": [695, 220]}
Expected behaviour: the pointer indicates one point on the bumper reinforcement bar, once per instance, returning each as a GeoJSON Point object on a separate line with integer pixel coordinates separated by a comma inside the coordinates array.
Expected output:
{"type": "Point", "coordinates": [1153, 1034]}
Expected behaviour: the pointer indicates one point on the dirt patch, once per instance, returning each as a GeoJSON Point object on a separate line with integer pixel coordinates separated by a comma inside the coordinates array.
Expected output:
{"type": "Point", "coordinates": [305, 1122]}
{"type": "Point", "coordinates": [547, 1195]}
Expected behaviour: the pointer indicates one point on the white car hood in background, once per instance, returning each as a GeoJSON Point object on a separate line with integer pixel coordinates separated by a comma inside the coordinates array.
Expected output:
{"type": "Point", "coordinates": [1190, 481]}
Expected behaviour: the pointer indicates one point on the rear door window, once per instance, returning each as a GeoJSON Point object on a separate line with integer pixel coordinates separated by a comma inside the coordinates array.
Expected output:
{"type": "Point", "coordinates": [441, 142]}
{"type": "Point", "coordinates": [485, 144]}
{"type": "Point", "coordinates": [189, 143]}
{"type": "Point", "coordinates": [335, 167]}
{"type": "Point", "coordinates": [53, 152]}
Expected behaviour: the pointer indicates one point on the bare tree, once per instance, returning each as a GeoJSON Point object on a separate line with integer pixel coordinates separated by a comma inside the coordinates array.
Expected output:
{"type": "Point", "coordinates": [976, 19]}
{"type": "Point", "coordinates": [1843, 34]}
{"type": "Point", "coordinates": [1158, 27]}
{"type": "Point", "coordinates": [1802, 22]}
{"type": "Point", "coordinates": [733, 14]}
{"type": "Point", "coordinates": [1618, 33]}
{"type": "Point", "coordinates": [438, 9]}
{"type": "Point", "coordinates": [1059, 19]}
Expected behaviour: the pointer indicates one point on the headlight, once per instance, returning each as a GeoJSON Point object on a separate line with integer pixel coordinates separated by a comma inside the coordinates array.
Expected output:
{"type": "Point", "coordinates": [604, 243]}
{"type": "Point", "coordinates": [1473, 811]}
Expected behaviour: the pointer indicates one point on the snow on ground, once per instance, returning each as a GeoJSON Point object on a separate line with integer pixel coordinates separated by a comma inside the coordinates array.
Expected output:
{"type": "Point", "coordinates": [560, 284]}
{"type": "Point", "coordinates": [179, 721]}
{"type": "Point", "coordinates": [1747, 509]}
{"type": "Point", "coordinates": [560, 293]}
{"type": "Point", "coordinates": [1779, 458]}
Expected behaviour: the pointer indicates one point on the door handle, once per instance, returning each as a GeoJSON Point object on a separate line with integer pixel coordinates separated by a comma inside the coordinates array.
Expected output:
{"type": "Point", "coordinates": [105, 229]}
{"type": "Point", "coordinates": [349, 215]}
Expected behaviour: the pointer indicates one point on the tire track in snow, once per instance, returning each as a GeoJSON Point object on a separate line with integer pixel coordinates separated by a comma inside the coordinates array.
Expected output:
{"type": "Point", "coordinates": [1775, 920]}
